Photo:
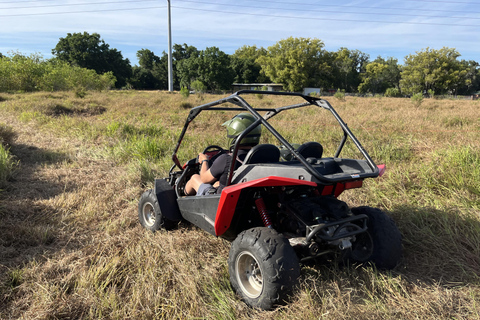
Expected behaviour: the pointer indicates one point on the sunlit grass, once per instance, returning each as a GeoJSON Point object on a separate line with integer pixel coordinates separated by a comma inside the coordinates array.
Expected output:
{"type": "Point", "coordinates": [86, 257]}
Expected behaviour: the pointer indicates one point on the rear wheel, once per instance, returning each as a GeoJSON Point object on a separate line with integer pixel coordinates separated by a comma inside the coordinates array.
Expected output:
{"type": "Point", "coordinates": [263, 267]}
{"type": "Point", "coordinates": [149, 213]}
{"type": "Point", "coordinates": [381, 244]}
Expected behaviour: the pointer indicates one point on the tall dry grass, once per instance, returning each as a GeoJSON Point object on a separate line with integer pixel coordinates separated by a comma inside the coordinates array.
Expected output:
{"type": "Point", "coordinates": [71, 247]}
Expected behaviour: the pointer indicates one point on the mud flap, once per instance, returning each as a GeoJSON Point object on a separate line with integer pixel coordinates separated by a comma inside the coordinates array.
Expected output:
{"type": "Point", "coordinates": [167, 200]}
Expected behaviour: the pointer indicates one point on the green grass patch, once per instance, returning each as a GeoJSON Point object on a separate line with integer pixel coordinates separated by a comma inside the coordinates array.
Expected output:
{"type": "Point", "coordinates": [456, 170]}
{"type": "Point", "coordinates": [7, 135]}
{"type": "Point", "coordinates": [455, 121]}
{"type": "Point", "coordinates": [8, 164]}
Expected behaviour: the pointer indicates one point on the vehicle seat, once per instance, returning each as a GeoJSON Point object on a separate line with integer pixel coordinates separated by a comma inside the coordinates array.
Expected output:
{"type": "Point", "coordinates": [311, 150]}
{"type": "Point", "coordinates": [262, 153]}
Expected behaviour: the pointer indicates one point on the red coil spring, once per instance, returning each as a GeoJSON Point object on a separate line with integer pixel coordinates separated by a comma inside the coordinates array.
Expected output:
{"type": "Point", "coordinates": [263, 212]}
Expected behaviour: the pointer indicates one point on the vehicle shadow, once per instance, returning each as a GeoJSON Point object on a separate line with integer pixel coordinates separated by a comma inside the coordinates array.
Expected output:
{"type": "Point", "coordinates": [28, 226]}
{"type": "Point", "coordinates": [440, 247]}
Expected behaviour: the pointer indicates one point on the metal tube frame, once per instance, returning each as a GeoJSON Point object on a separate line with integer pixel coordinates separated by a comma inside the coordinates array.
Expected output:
{"type": "Point", "coordinates": [242, 105]}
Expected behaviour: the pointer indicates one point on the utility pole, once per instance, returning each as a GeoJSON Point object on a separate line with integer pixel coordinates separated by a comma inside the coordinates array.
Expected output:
{"type": "Point", "coordinates": [170, 63]}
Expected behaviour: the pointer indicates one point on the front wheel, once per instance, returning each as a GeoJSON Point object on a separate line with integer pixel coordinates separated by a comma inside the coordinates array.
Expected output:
{"type": "Point", "coordinates": [381, 244]}
{"type": "Point", "coordinates": [149, 213]}
{"type": "Point", "coordinates": [263, 268]}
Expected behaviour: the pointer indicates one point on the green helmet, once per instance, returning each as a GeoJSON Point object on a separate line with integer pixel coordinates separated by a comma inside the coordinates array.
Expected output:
{"type": "Point", "coordinates": [237, 125]}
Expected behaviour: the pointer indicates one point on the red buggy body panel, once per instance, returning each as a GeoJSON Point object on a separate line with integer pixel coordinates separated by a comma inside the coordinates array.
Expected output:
{"type": "Point", "coordinates": [230, 195]}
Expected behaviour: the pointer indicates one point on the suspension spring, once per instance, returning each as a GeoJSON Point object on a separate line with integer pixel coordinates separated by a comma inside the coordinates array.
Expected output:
{"type": "Point", "coordinates": [263, 212]}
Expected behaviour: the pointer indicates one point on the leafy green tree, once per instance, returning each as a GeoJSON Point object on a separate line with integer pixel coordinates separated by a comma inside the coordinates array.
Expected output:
{"type": "Point", "coordinates": [247, 70]}
{"type": "Point", "coordinates": [214, 69]}
{"type": "Point", "coordinates": [436, 70]}
{"type": "Point", "coordinates": [152, 72]}
{"type": "Point", "coordinates": [89, 51]}
{"type": "Point", "coordinates": [472, 77]}
{"type": "Point", "coordinates": [160, 71]}
{"type": "Point", "coordinates": [143, 79]}
{"type": "Point", "coordinates": [326, 75]}
{"type": "Point", "coordinates": [147, 59]}
{"type": "Point", "coordinates": [187, 70]}
{"type": "Point", "coordinates": [380, 75]}
{"type": "Point", "coordinates": [294, 62]}
{"type": "Point", "coordinates": [180, 53]}
{"type": "Point", "coordinates": [348, 65]}
{"type": "Point", "coordinates": [373, 78]}
{"type": "Point", "coordinates": [211, 66]}
{"type": "Point", "coordinates": [392, 73]}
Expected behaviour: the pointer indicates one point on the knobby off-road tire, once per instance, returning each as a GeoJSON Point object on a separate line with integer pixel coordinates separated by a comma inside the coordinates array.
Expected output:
{"type": "Point", "coordinates": [149, 213]}
{"type": "Point", "coordinates": [381, 244]}
{"type": "Point", "coordinates": [263, 267]}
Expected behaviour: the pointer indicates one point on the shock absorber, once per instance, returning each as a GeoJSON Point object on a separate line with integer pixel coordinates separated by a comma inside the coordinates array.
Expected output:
{"type": "Point", "coordinates": [263, 212]}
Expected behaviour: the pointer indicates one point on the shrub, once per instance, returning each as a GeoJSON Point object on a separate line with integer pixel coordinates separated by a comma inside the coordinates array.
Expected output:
{"type": "Point", "coordinates": [340, 95]}
{"type": "Point", "coordinates": [184, 92]}
{"type": "Point", "coordinates": [80, 92]}
{"type": "Point", "coordinates": [417, 99]}
{"type": "Point", "coordinates": [392, 92]}
{"type": "Point", "coordinates": [198, 86]}
{"type": "Point", "coordinates": [7, 165]}
{"type": "Point", "coordinates": [21, 73]}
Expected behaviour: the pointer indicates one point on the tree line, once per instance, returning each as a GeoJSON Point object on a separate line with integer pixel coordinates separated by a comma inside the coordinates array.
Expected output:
{"type": "Point", "coordinates": [296, 63]}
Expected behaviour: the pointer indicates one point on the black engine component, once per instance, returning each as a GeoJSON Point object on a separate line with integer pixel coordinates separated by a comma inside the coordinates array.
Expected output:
{"type": "Point", "coordinates": [299, 213]}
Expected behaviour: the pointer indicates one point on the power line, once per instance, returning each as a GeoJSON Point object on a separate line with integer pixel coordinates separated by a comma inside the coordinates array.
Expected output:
{"type": "Point", "coordinates": [256, 1]}
{"type": "Point", "coordinates": [323, 11]}
{"type": "Point", "coordinates": [452, 2]}
{"type": "Point", "coordinates": [331, 19]}
{"type": "Point", "coordinates": [362, 7]}
{"type": "Point", "coordinates": [437, 1]}
{"type": "Point", "coordinates": [73, 12]}
{"type": "Point", "coordinates": [2, 2]}
{"type": "Point", "coordinates": [267, 1]}
{"type": "Point", "coordinates": [79, 4]}
{"type": "Point", "coordinates": [244, 13]}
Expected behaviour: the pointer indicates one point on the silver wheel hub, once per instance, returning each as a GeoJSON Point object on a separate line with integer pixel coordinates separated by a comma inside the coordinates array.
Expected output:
{"type": "Point", "coordinates": [249, 274]}
{"type": "Point", "coordinates": [148, 214]}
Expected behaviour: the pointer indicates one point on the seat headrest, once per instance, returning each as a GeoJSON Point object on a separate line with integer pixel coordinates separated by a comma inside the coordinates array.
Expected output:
{"type": "Point", "coordinates": [262, 153]}
{"type": "Point", "coordinates": [311, 150]}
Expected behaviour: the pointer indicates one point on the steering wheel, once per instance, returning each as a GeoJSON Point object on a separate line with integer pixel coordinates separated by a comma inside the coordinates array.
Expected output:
{"type": "Point", "coordinates": [213, 147]}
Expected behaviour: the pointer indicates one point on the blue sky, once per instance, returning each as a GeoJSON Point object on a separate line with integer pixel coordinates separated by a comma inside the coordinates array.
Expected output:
{"type": "Point", "coordinates": [385, 28]}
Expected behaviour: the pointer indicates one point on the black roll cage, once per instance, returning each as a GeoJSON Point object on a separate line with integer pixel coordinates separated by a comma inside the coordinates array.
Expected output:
{"type": "Point", "coordinates": [242, 105]}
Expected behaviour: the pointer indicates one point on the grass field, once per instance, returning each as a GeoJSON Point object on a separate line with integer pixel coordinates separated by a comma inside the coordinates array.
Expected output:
{"type": "Point", "coordinates": [71, 246]}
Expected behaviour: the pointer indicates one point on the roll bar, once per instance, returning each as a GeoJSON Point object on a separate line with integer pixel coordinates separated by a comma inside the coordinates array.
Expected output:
{"type": "Point", "coordinates": [241, 105]}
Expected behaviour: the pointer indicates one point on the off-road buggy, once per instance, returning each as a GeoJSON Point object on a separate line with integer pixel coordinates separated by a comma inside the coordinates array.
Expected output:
{"type": "Point", "coordinates": [279, 212]}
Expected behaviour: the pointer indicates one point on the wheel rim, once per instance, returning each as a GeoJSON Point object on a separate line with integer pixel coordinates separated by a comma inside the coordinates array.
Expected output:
{"type": "Point", "coordinates": [148, 214]}
{"type": "Point", "coordinates": [362, 248]}
{"type": "Point", "coordinates": [249, 274]}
